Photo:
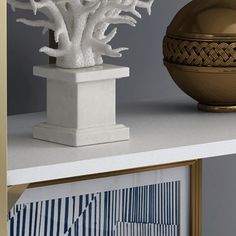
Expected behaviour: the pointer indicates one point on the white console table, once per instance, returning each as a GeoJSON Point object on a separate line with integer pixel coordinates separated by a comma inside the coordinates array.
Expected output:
{"type": "Point", "coordinates": [161, 133]}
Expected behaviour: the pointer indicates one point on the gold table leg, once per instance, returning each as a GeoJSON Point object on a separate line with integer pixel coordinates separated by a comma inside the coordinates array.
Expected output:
{"type": "Point", "coordinates": [196, 198]}
{"type": "Point", "coordinates": [3, 118]}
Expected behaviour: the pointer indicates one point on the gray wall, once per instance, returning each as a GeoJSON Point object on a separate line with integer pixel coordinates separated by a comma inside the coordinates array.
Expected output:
{"type": "Point", "coordinates": [25, 93]}
{"type": "Point", "coordinates": [219, 196]}
{"type": "Point", "coordinates": [148, 81]}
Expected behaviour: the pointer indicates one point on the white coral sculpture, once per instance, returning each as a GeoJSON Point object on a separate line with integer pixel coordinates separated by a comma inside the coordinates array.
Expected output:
{"type": "Point", "coordinates": [80, 27]}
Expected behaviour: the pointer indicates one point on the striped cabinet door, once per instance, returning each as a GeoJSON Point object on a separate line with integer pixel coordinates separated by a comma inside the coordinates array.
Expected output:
{"type": "Point", "coordinates": [145, 210]}
{"type": "Point", "coordinates": [144, 229]}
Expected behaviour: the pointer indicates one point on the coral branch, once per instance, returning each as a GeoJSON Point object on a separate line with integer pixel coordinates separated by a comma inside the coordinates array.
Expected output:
{"type": "Point", "coordinates": [118, 50]}
{"type": "Point", "coordinates": [60, 25]}
{"type": "Point", "coordinates": [91, 7]}
{"type": "Point", "coordinates": [37, 23]}
{"type": "Point", "coordinates": [26, 6]}
{"type": "Point", "coordinates": [67, 15]}
{"type": "Point", "coordinates": [20, 5]}
{"type": "Point", "coordinates": [110, 36]}
{"type": "Point", "coordinates": [121, 20]}
{"type": "Point", "coordinates": [52, 52]}
{"type": "Point", "coordinates": [105, 49]}
{"type": "Point", "coordinates": [80, 26]}
{"type": "Point", "coordinates": [147, 5]}
{"type": "Point", "coordinates": [78, 4]}
{"type": "Point", "coordinates": [126, 8]}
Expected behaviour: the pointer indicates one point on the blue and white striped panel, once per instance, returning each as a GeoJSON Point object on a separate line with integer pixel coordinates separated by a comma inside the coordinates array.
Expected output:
{"type": "Point", "coordinates": [142, 229]}
{"type": "Point", "coordinates": [97, 214]}
{"type": "Point", "coordinates": [15, 210]}
{"type": "Point", "coordinates": [157, 204]}
{"type": "Point", "coordinates": [47, 218]}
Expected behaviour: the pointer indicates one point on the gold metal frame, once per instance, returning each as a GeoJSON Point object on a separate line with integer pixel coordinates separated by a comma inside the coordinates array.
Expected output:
{"type": "Point", "coordinates": [195, 186]}
{"type": "Point", "coordinates": [3, 117]}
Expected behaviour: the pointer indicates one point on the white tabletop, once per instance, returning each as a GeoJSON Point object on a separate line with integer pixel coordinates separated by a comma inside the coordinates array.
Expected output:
{"type": "Point", "coordinates": [161, 133]}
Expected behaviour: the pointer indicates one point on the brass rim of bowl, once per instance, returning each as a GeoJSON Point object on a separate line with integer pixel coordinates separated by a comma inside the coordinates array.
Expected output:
{"type": "Point", "coordinates": [202, 69]}
{"type": "Point", "coordinates": [217, 109]}
{"type": "Point", "coordinates": [220, 37]}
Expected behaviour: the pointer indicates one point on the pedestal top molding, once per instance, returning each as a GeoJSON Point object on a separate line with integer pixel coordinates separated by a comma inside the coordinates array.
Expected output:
{"type": "Point", "coordinates": [101, 72]}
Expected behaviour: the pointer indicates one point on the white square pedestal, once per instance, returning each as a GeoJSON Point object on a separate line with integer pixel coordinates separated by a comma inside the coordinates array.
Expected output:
{"type": "Point", "coordinates": [81, 105]}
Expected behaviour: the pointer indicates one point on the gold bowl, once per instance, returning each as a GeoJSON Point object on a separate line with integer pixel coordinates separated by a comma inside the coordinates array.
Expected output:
{"type": "Point", "coordinates": [200, 53]}
{"type": "Point", "coordinates": [213, 88]}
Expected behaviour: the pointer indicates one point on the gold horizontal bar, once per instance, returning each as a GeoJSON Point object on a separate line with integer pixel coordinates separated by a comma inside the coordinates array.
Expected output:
{"type": "Point", "coordinates": [109, 174]}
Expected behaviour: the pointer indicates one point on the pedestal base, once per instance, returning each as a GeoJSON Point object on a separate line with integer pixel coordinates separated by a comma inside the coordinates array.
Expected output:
{"type": "Point", "coordinates": [218, 109]}
{"type": "Point", "coordinates": [81, 137]}
{"type": "Point", "coordinates": [81, 105]}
